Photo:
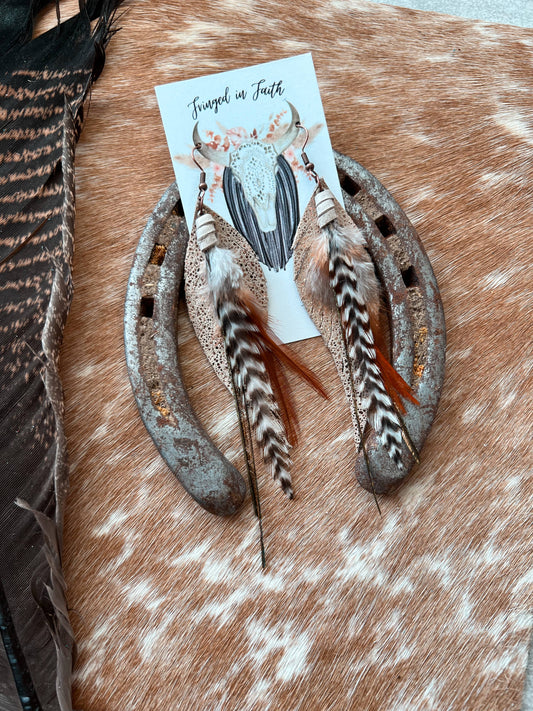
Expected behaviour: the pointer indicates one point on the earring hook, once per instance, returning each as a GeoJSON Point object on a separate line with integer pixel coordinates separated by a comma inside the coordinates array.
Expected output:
{"type": "Point", "coordinates": [298, 124]}
{"type": "Point", "coordinates": [196, 147]}
{"type": "Point", "coordinates": [309, 167]}
{"type": "Point", "coordinates": [202, 187]}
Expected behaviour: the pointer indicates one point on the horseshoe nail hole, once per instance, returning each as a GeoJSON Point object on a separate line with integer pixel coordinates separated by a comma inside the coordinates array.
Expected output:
{"type": "Point", "coordinates": [385, 226]}
{"type": "Point", "coordinates": [178, 209]}
{"type": "Point", "coordinates": [147, 306]}
{"type": "Point", "coordinates": [409, 277]}
{"type": "Point", "coordinates": [158, 254]}
{"type": "Point", "coordinates": [349, 185]}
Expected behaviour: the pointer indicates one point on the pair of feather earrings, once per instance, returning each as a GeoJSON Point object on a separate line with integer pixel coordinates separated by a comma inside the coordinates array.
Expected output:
{"type": "Point", "coordinates": [338, 276]}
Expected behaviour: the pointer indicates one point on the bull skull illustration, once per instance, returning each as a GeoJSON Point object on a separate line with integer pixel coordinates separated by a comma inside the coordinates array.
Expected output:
{"type": "Point", "coordinates": [260, 191]}
{"type": "Point", "coordinates": [254, 164]}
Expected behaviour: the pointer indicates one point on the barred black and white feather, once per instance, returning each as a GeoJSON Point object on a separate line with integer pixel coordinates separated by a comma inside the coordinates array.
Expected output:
{"type": "Point", "coordinates": [342, 278]}
{"type": "Point", "coordinates": [246, 352]}
{"type": "Point", "coordinates": [225, 312]}
{"type": "Point", "coordinates": [353, 281]}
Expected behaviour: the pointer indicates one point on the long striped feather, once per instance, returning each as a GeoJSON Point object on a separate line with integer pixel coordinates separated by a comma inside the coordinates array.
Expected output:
{"type": "Point", "coordinates": [351, 276]}
{"type": "Point", "coordinates": [245, 349]}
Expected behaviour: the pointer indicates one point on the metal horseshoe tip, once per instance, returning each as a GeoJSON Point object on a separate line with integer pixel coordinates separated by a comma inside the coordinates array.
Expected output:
{"type": "Point", "coordinates": [150, 328]}
{"type": "Point", "coordinates": [416, 316]}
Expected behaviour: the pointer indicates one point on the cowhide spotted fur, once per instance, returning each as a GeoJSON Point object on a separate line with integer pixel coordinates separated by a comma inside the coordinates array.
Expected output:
{"type": "Point", "coordinates": [427, 607]}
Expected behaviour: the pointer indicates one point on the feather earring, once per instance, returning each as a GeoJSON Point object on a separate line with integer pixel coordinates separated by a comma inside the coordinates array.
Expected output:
{"type": "Point", "coordinates": [240, 339]}
{"type": "Point", "coordinates": [337, 282]}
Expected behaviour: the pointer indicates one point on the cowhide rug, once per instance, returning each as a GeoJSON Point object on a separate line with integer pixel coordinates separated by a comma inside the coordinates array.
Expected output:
{"type": "Point", "coordinates": [427, 607]}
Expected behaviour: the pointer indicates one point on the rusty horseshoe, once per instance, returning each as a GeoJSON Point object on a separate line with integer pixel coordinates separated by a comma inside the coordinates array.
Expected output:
{"type": "Point", "coordinates": [417, 332]}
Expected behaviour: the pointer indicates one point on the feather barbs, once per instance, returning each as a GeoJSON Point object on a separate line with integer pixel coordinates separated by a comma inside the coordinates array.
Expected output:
{"type": "Point", "coordinates": [227, 305]}
{"type": "Point", "coordinates": [338, 285]}
{"type": "Point", "coordinates": [200, 305]}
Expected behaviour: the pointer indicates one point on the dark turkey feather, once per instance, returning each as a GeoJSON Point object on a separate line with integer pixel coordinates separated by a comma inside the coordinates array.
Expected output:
{"type": "Point", "coordinates": [43, 85]}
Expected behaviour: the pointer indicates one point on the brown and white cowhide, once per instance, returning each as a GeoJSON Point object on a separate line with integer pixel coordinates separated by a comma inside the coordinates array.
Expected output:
{"type": "Point", "coordinates": [427, 607]}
